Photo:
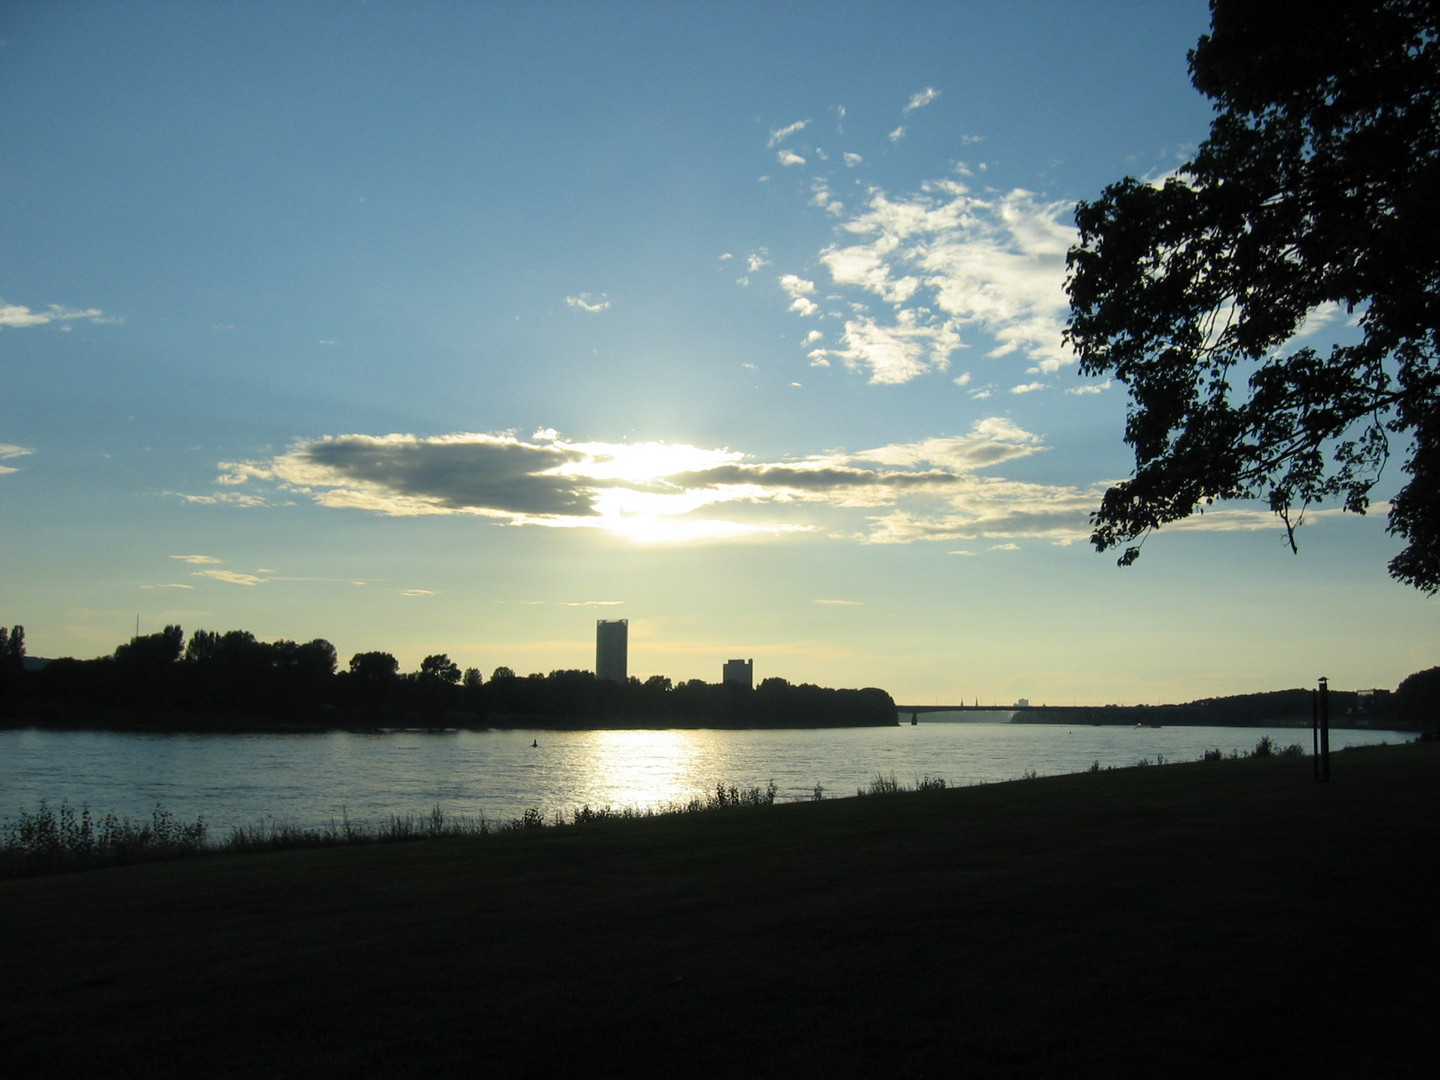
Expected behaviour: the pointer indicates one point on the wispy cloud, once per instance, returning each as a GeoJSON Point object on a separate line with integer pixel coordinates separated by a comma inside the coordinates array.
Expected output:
{"type": "Point", "coordinates": [17, 315]}
{"type": "Point", "coordinates": [945, 260]}
{"type": "Point", "coordinates": [587, 302]}
{"type": "Point", "coordinates": [779, 135]}
{"type": "Point", "coordinates": [198, 560]}
{"type": "Point", "coordinates": [231, 577]}
{"type": "Point", "coordinates": [789, 157]}
{"type": "Point", "coordinates": [223, 498]}
{"type": "Point", "coordinates": [7, 451]}
{"type": "Point", "coordinates": [920, 100]}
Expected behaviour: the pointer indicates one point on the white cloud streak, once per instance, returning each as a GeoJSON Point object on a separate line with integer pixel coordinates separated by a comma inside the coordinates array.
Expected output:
{"type": "Point", "coordinates": [231, 577]}
{"type": "Point", "coordinates": [17, 316]}
{"type": "Point", "coordinates": [8, 450]}
{"type": "Point", "coordinates": [779, 135]}
{"type": "Point", "coordinates": [920, 100]}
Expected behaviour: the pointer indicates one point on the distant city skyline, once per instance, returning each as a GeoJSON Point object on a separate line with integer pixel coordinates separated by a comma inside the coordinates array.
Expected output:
{"type": "Point", "coordinates": [437, 327]}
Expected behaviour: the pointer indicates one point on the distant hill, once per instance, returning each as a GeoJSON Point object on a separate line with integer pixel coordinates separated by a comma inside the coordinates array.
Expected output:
{"type": "Point", "coordinates": [1274, 708]}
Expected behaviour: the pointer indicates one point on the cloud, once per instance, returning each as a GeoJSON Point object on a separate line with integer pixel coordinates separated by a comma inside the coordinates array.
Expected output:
{"type": "Point", "coordinates": [995, 509]}
{"type": "Point", "coordinates": [16, 315]}
{"type": "Point", "coordinates": [898, 352]}
{"type": "Point", "coordinates": [851, 160]}
{"type": "Point", "coordinates": [945, 261]}
{"type": "Point", "coordinates": [8, 450]}
{"type": "Point", "coordinates": [842, 603]}
{"type": "Point", "coordinates": [223, 498]}
{"type": "Point", "coordinates": [586, 302]}
{"type": "Point", "coordinates": [799, 291]}
{"type": "Point", "coordinates": [789, 157]}
{"type": "Point", "coordinates": [403, 475]}
{"type": "Point", "coordinates": [779, 135]}
{"type": "Point", "coordinates": [897, 134]}
{"type": "Point", "coordinates": [939, 489]}
{"type": "Point", "coordinates": [920, 100]}
{"type": "Point", "coordinates": [197, 560]}
{"type": "Point", "coordinates": [231, 577]}
{"type": "Point", "coordinates": [662, 492]}
{"type": "Point", "coordinates": [825, 199]}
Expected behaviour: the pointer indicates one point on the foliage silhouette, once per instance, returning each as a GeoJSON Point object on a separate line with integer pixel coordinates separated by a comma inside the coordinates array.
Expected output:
{"type": "Point", "coordinates": [1314, 194]}
{"type": "Point", "coordinates": [230, 679]}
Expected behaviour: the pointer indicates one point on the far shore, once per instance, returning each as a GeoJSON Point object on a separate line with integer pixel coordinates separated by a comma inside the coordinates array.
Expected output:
{"type": "Point", "coordinates": [90, 719]}
{"type": "Point", "coordinates": [51, 718]}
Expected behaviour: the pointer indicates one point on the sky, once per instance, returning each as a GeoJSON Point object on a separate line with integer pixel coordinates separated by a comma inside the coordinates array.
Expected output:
{"type": "Point", "coordinates": [454, 327]}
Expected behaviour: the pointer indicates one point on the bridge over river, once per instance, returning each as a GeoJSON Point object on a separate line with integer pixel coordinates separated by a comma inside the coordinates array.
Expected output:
{"type": "Point", "coordinates": [1147, 715]}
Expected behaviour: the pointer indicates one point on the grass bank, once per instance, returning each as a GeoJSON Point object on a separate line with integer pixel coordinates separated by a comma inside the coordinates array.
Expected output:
{"type": "Point", "coordinates": [1201, 917]}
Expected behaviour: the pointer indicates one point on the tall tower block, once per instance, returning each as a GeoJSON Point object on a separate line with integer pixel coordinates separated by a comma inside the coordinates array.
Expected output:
{"type": "Point", "coordinates": [740, 672]}
{"type": "Point", "coordinates": [611, 646]}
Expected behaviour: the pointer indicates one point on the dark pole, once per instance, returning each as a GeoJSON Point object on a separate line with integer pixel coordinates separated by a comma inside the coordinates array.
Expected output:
{"type": "Point", "coordinates": [1315, 732]}
{"type": "Point", "coordinates": [1324, 731]}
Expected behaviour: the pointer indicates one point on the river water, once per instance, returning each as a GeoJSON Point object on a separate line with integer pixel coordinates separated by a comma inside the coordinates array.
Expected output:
{"type": "Point", "coordinates": [311, 780]}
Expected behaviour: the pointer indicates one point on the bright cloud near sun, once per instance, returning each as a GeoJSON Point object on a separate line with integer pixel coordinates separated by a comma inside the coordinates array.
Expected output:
{"type": "Point", "coordinates": [664, 492]}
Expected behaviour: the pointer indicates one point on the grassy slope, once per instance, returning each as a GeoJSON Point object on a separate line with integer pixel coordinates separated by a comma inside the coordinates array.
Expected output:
{"type": "Point", "coordinates": [1177, 920]}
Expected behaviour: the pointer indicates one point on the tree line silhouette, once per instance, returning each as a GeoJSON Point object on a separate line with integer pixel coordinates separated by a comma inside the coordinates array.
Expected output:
{"type": "Point", "coordinates": [233, 679]}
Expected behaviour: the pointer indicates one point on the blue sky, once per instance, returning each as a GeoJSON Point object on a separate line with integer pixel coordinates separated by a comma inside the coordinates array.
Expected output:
{"type": "Point", "coordinates": [453, 327]}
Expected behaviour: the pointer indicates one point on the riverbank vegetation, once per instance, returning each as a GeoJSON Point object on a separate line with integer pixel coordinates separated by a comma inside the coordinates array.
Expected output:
{"type": "Point", "coordinates": [1195, 920]}
{"type": "Point", "coordinates": [51, 841]}
{"type": "Point", "coordinates": [65, 840]}
{"type": "Point", "coordinates": [233, 681]}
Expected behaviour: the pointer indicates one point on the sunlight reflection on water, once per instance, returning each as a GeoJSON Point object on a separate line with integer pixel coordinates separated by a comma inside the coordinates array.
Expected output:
{"type": "Point", "coordinates": [314, 779]}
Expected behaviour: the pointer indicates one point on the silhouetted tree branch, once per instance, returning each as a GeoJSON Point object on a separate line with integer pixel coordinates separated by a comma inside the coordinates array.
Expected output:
{"type": "Point", "coordinates": [1314, 193]}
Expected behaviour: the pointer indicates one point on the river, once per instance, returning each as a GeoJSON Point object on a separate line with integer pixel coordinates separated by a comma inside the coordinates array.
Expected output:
{"type": "Point", "coordinates": [312, 780]}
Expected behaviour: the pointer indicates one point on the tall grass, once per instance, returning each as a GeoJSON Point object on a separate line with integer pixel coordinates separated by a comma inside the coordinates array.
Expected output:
{"type": "Point", "coordinates": [881, 784]}
{"type": "Point", "coordinates": [51, 841]}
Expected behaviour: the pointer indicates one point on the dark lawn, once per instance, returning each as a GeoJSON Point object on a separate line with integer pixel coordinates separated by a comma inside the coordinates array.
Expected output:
{"type": "Point", "coordinates": [1183, 920]}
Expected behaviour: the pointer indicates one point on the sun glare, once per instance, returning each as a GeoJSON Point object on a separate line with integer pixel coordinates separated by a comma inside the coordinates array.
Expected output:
{"type": "Point", "coordinates": [643, 463]}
